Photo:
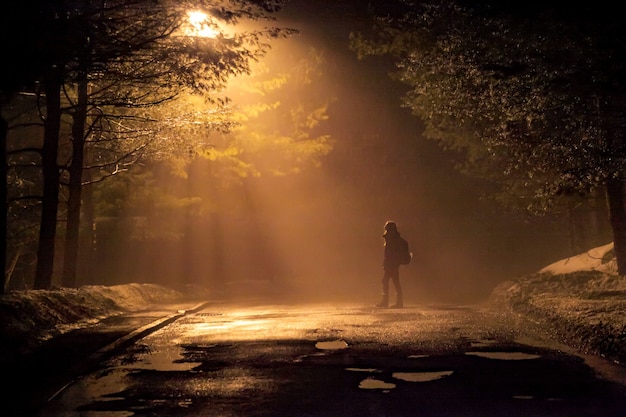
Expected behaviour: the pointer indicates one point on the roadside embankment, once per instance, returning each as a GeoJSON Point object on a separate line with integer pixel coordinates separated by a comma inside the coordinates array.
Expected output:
{"type": "Point", "coordinates": [584, 310]}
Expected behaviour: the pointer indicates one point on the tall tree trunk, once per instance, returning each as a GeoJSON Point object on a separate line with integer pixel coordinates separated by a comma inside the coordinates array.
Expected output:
{"type": "Point", "coordinates": [70, 260]}
{"type": "Point", "coordinates": [50, 173]}
{"type": "Point", "coordinates": [3, 203]}
{"type": "Point", "coordinates": [87, 234]}
{"type": "Point", "coordinates": [617, 217]}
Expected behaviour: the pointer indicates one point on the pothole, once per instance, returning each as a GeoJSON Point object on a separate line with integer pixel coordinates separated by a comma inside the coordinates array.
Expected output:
{"type": "Point", "coordinates": [362, 370]}
{"type": "Point", "coordinates": [373, 383]}
{"type": "Point", "coordinates": [421, 376]}
{"type": "Point", "coordinates": [505, 356]}
{"type": "Point", "coordinates": [331, 345]}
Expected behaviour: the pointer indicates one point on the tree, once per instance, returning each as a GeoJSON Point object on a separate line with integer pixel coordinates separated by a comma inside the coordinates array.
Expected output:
{"type": "Point", "coordinates": [532, 95]}
{"type": "Point", "coordinates": [30, 60]}
{"type": "Point", "coordinates": [199, 64]}
{"type": "Point", "coordinates": [278, 112]}
{"type": "Point", "coordinates": [3, 201]}
{"type": "Point", "coordinates": [270, 126]}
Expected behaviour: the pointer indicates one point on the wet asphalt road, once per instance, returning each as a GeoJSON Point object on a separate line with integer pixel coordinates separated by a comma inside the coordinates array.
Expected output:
{"type": "Point", "coordinates": [255, 359]}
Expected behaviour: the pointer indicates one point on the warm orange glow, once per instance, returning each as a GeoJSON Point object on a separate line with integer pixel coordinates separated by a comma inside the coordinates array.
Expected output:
{"type": "Point", "coordinates": [200, 24]}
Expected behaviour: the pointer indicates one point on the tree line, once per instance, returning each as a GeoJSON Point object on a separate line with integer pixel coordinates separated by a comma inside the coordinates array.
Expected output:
{"type": "Point", "coordinates": [532, 95]}
{"type": "Point", "coordinates": [92, 88]}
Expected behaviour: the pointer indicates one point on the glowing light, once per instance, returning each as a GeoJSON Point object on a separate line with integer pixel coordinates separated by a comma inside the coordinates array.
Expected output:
{"type": "Point", "coordinates": [202, 25]}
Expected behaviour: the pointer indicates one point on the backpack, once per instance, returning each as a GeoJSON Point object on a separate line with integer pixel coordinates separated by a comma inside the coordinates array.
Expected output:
{"type": "Point", "coordinates": [405, 255]}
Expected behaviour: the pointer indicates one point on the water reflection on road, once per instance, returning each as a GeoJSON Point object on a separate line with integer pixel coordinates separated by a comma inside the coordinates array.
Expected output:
{"type": "Point", "coordinates": [322, 360]}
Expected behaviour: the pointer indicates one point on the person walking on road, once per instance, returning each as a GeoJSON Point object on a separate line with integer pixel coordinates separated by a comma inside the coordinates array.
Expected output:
{"type": "Point", "coordinates": [395, 252]}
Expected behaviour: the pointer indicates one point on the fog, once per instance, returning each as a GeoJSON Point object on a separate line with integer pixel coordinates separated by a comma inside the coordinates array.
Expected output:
{"type": "Point", "coordinates": [317, 234]}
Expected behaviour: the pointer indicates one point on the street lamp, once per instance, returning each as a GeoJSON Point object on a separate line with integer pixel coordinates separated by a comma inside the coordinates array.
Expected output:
{"type": "Point", "coordinates": [201, 25]}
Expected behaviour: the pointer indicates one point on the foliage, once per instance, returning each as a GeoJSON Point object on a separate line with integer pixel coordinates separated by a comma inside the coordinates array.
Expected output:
{"type": "Point", "coordinates": [133, 55]}
{"type": "Point", "coordinates": [279, 116]}
{"type": "Point", "coordinates": [531, 96]}
{"type": "Point", "coordinates": [148, 61]}
{"type": "Point", "coordinates": [271, 124]}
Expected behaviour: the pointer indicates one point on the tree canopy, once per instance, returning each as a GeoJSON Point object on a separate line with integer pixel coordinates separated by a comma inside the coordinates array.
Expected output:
{"type": "Point", "coordinates": [532, 95]}
{"type": "Point", "coordinates": [527, 96]}
{"type": "Point", "coordinates": [104, 64]}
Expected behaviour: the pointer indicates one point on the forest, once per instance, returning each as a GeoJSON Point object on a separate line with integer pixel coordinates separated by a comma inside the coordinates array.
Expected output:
{"type": "Point", "coordinates": [162, 140]}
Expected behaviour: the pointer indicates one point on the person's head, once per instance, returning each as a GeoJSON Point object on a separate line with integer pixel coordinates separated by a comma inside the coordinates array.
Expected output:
{"type": "Point", "coordinates": [391, 226]}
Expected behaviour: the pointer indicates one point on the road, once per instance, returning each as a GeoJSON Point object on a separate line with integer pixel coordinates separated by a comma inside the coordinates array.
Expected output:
{"type": "Point", "coordinates": [257, 359]}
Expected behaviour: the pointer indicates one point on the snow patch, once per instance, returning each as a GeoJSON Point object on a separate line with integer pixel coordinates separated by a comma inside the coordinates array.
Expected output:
{"type": "Point", "coordinates": [596, 259]}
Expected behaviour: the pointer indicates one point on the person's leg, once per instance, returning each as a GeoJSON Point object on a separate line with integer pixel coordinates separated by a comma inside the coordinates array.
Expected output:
{"type": "Point", "coordinates": [395, 277]}
{"type": "Point", "coordinates": [385, 300]}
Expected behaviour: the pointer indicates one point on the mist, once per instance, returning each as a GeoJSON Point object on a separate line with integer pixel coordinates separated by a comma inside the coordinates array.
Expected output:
{"type": "Point", "coordinates": [317, 234]}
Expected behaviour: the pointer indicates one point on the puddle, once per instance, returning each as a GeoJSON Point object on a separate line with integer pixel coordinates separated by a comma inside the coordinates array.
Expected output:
{"type": "Point", "coordinates": [332, 345]}
{"type": "Point", "coordinates": [372, 383]}
{"type": "Point", "coordinates": [303, 357]}
{"type": "Point", "coordinates": [482, 343]}
{"type": "Point", "coordinates": [92, 388]}
{"type": "Point", "coordinates": [167, 359]}
{"type": "Point", "coordinates": [362, 370]}
{"type": "Point", "coordinates": [505, 356]}
{"type": "Point", "coordinates": [421, 376]}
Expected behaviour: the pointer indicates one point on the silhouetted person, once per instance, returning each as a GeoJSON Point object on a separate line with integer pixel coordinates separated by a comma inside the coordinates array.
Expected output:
{"type": "Point", "coordinates": [395, 249]}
